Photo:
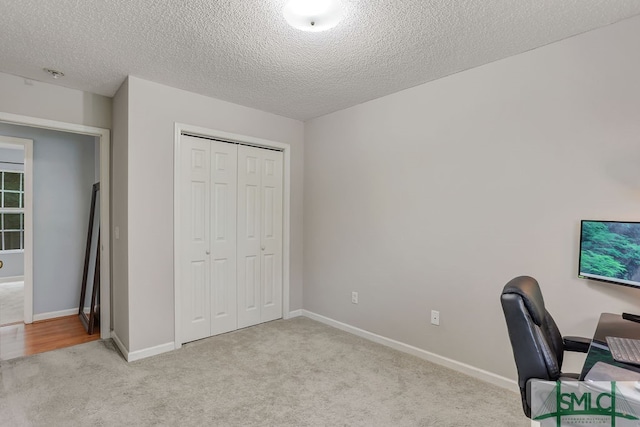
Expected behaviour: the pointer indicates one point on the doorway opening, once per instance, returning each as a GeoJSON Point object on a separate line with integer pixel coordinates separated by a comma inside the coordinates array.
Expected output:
{"type": "Point", "coordinates": [100, 168]}
{"type": "Point", "coordinates": [15, 227]}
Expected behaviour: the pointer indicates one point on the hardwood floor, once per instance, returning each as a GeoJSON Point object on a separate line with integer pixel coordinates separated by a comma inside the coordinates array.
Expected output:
{"type": "Point", "coordinates": [22, 340]}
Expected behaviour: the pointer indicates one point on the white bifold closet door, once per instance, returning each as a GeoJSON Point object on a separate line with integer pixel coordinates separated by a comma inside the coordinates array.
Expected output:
{"type": "Point", "coordinates": [208, 237]}
{"type": "Point", "coordinates": [259, 235]}
{"type": "Point", "coordinates": [230, 236]}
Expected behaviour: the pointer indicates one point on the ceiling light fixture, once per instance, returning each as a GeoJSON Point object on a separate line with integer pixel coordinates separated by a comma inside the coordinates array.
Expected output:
{"type": "Point", "coordinates": [313, 15]}
{"type": "Point", "coordinates": [55, 74]}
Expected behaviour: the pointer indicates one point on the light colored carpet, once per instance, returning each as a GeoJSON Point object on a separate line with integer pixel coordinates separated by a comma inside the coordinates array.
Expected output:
{"type": "Point", "coordinates": [11, 302]}
{"type": "Point", "coordinates": [294, 372]}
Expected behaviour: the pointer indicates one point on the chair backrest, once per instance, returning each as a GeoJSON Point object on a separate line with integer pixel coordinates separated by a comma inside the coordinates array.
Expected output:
{"type": "Point", "coordinates": [535, 338]}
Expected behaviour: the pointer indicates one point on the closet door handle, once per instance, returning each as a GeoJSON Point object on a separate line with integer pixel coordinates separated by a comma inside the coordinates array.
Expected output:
{"type": "Point", "coordinates": [263, 247]}
{"type": "Point", "coordinates": [207, 252]}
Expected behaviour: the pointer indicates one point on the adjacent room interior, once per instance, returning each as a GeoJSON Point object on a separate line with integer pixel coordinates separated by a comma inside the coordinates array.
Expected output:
{"type": "Point", "coordinates": [40, 306]}
{"type": "Point", "coordinates": [12, 240]}
{"type": "Point", "coordinates": [391, 200]}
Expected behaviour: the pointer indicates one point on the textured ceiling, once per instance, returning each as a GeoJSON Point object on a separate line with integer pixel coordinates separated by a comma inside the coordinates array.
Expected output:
{"type": "Point", "coordinates": [244, 52]}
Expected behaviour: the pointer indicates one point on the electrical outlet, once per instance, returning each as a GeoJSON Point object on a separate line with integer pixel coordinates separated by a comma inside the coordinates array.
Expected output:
{"type": "Point", "coordinates": [354, 297]}
{"type": "Point", "coordinates": [435, 317]}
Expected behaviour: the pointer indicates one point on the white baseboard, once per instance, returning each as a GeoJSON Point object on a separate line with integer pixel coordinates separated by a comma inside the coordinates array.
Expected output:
{"type": "Point", "coordinates": [472, 371]}
{"type": "Point", "coordinates": [132, 356]}
{"type": "Point", "coordinates": [55, 314]}
{"type": "Point", "coordinates": [11, 279]}
{"type": "Point", "coordinates": [151, 351]}
{"type": "Point", "coordinates": [294, 313]}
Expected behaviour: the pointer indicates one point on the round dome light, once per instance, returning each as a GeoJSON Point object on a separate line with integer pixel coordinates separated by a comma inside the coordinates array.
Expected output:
{"type": "Point", "coordinates": [312, 15]}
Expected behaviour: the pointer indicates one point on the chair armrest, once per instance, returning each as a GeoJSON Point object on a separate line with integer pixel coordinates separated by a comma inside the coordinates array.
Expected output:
{"type": "Point", "coordinates": [577, 344]}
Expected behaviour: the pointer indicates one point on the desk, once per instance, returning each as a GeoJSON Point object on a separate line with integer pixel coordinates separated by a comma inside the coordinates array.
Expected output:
{"type": "Point", "coordinates": [610, 325]}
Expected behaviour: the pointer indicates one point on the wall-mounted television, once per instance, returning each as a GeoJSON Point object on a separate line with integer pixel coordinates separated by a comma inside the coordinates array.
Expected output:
{"type": "Point", "coordinates": [610, 252]}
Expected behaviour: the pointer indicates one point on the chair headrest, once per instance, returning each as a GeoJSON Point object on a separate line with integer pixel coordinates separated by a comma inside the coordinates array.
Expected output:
{"type": "Point", "coordinates": [528, 288]}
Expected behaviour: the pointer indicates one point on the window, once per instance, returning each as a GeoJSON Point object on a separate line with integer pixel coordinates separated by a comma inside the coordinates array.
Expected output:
{"type": "Point", "coordinates": [11, 210]}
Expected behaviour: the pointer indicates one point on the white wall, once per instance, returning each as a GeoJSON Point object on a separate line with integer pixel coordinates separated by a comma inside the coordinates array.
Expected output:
{"type": "Point", "coordinates": [153, 111]}
{"type": "Point", "coordinates": [435, 197]}
{"type": "Point", "coordinates": [46, 101]}
{"type": "Point", "coordinates": [12, 159]}
{"type": "Point", "coordinates": [63, 173]}
{"type": "Point", "coordinates": [119, 247]}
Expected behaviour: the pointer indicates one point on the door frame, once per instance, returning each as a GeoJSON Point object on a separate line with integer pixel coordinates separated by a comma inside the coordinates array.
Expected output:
{"type": "Point", "coordinates": [104, 142]}
{"type": "Point", "coordinates": [182, 128]}
{"type": "Point", "coordinates": [27, 146]}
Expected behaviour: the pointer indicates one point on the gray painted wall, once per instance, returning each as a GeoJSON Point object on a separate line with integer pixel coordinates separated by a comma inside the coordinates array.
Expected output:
{"type": "Point", "coordinates": [119, 217]}
{"type": "Point", "coordinates": [12, 261]}
{"type": "Point", "coordinates": [9, 157]}
{"type": "Point", "coordinates": [12, 265]}
{"type": "Point", "coordinates": [63, 173]}
{"type": "Point", "coordinates": [153, 111]}
{"type": "Point", "coordinates": [436, 196]}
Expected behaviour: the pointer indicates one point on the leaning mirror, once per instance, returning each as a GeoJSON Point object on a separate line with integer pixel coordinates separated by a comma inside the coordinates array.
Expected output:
{"type": "Point", "coordinates": [89, 309]}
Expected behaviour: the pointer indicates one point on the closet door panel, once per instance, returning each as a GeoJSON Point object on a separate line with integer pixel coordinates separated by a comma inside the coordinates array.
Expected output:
{"type": "Point", "coordinates": [194, 240]}
{"type": "Point", "coordinates": [223, 237]}
{"type": "Point", "coordinates": [271, 235]}
{"type": "Point", "coordinates": [249, 232]}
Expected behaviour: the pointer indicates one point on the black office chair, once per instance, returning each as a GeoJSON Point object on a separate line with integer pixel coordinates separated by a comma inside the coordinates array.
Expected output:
{"type": "Point", "coordinates": [538, 347]}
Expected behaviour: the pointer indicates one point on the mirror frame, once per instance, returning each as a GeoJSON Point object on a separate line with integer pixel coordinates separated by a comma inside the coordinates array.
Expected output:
{"type": "Point", "coordinates": [89, 320]}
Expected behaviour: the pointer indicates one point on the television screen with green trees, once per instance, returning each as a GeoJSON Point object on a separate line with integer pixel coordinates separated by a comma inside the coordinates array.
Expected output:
{"type": "Point", "coordinates": [610, 251]}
